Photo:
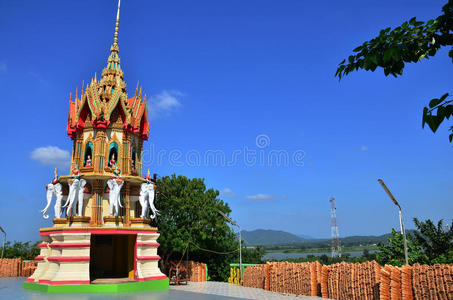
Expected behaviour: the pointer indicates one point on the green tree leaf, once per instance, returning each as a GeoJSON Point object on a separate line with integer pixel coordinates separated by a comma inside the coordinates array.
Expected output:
{"type": "Point", "coordinates": [412, 41]}
{"type": "Point", "coordinates": [434, 102]}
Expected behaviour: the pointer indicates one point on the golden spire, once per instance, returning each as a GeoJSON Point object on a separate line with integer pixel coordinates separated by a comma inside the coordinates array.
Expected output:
{"type": "Point", "coordinates": [117, 25]}
{"type": "Point", "coordinates": [112, 77]}
{"type": "Point", "coordinates": [136, 89]}
{"type": "Point", "coordinates": [147, 173]}
{"type": "Point", "coordinates": [56, 173]}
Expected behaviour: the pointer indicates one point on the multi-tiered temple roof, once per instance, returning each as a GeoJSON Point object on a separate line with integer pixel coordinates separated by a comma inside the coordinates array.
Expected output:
{"type": "Point", "coordinates": [105, 243]}
{"type": "Point", "coordinates": [99, 100]}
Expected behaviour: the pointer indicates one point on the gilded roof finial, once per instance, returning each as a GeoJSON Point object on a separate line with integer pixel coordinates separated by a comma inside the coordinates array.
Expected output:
{"type": "Point", "coordinates": [117, 25]}
{"type": "Point", "coordinates": [56, 173]}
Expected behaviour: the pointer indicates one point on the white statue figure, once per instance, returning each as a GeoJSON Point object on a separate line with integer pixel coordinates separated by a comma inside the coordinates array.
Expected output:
{"type": "Point", "coordinates": [53, 188]}
{"type": "Point", "coordinates": [115, 192]}
{"type": "Point", "coordinates": [75, 196]}
{"type": "Point", "coordinates": [146, 198]}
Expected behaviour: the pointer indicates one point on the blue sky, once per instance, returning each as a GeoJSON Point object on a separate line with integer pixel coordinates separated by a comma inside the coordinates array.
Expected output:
{"type": "Point", "coordinates": [228, 78]}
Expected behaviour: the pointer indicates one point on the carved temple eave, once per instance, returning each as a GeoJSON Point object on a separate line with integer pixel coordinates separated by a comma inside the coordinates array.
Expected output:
{"type": "Point", "coordinates": [91, 229]}
{"type": "Point", "coordinates": [93, 176]}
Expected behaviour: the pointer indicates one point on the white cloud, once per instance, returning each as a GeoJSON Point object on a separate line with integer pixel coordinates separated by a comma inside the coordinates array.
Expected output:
{"type": "Point", "coordinates": [3, 67]}
{"type": "Point", "coordinates": [364, 148]}
{"type": "Point", "coordinates": [261, 197]}
{"type": "Point", "coordinates": [51, 156]}
{"type": "Point", "coordinates": [228, 193]}
{"type": "Point", "coordinates": [164, 103]}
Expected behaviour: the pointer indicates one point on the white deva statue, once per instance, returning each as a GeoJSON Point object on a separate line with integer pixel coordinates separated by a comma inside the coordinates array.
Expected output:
{"type": "Point", "coordinates": [75, 196]}
{"type": "Point", "coordinates": [53, 189]}
{"type": "Point", "coordinates": [115, 192]}
{"type": "Point", "coordinates": [147, 198]}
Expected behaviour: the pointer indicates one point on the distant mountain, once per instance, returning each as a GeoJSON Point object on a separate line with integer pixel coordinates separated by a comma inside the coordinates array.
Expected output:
{"type": "Point", "coordinates": [269, 237]}
{"type": "Point", "coordinates": [304, 236]}
{"type": "Point", "coordinates": [278, 237]}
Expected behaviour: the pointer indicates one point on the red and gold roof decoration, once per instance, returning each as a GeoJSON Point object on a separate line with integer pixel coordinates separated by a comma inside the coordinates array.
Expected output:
{"type": "Point", "coordinates": [97, 103]}
{"type": "Point", "coordinates": [101, 98]}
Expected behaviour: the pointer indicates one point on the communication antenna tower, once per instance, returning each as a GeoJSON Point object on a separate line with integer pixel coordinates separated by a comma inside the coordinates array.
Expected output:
{"type": "Point", "coordinates": [336, 244]}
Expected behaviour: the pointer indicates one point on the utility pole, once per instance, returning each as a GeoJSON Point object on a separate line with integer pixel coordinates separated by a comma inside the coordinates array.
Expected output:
{"type": "Point", "coordinates": [4, 240]}
{"type": "Point", "coordinates": [240, 241]}
{"type": "Point", "coordinates": [403, 232]}
{"type": "Point", "coordinates": [336, 243]}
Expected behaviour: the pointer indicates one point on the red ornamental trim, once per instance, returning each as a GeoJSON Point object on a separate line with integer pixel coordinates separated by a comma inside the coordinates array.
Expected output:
{"type": "Point", "coordinates": [98, 232]}
{"type": "Point", "coordinates": [68, 258]}
{"type": "Point", "coordinates": [39, 257]}
{"type": "Point", "coordinates": [135, 261]}
{"type": "Point", "coordinates": [157, 257]}
{"type": "Point", "coordinates": [45, 281]}
{"type": "Point", "coordinates": [29, 279]}
{"type": "Point", "coordinates": [152, 278]}
{"type": "Point", "coordinates": [69, 282]}
{"type": "Point", "coordinates": [69, 245]}
{"type": "Point", "coordinates": [42, 245]}
{"type": "Point", "coordinates": [147, 244]}
{"type": "Point", "coordinates": [101, 124]}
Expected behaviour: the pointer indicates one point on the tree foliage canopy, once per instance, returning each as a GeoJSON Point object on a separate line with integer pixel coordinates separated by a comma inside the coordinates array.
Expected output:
{"type": "Point", "coordinates": [411, 42]}
{"type": "Point", "coordinates": [24, 250]}
{"type": "Point", "coordinates": [429, 244]}
{"type": "Point", "coordinates": [436, 241]}
{"type": "Point", "coordinates": [189, 218]}
{"type": "Point", "coordinates": [393, 252]}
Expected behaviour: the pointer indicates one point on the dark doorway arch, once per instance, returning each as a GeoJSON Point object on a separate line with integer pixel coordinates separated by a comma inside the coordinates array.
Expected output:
{"type": "Point", "coordinates": [88, 157]}
{"type": "Point", "coordinates": [113, 154]}
{"type": "Point", "coordinates": [134, 159]}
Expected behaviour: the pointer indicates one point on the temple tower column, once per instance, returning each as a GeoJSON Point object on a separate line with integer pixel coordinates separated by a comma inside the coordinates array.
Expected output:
{"type": "Point", "coordinates": [126, 153]}
{"type": "Point", "coordinates": [99, 148]}
{"type": "Point", "coordinates": [98, 193]}
{"type": "Point", "coordinates": [126, 195]}
{"type": "Point", "coordinates": [139, 161]}
{"type": "Point", "coordinates": [77, 150]}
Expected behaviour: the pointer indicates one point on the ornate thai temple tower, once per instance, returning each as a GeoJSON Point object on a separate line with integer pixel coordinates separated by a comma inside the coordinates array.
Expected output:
{"type": "Point", "coordinates": [105, 241]}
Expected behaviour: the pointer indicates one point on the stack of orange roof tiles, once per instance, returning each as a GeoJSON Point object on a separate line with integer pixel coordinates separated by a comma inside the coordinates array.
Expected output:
{"type": "Point", "coordinates": [324, 279]}
{"type": "Point", "coordinates": [395, 284]}
{"type": "Point", "coordinates": [28, 268]}
{"type": "Point", "coordinates": [417, 282]}
{"type": "Point", "coordinates": [15, 267]}
{"type": "Point", "coordinates": [10, 267]}
{"type": "Point", "coordinates": [254, 276]}
{"type": "Point", "coordinates": [318, 277]}
{"type": "Point", "coordinates": [432, 282]}
{"type": "Point", "coordinates": [367, 280]}
{"type": "Point", "coordinates": [384, 287]}
{"type": "Point", "coordinates": [406, 283]}
{"type": "Point", "coordinates": [267, 273]}
{"type": "Point", "coordinates": [351, 281]}
{"type": "Point", "coordinates": [197, 271]}
{"type": "Point", "coordinates": [285, 277]}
